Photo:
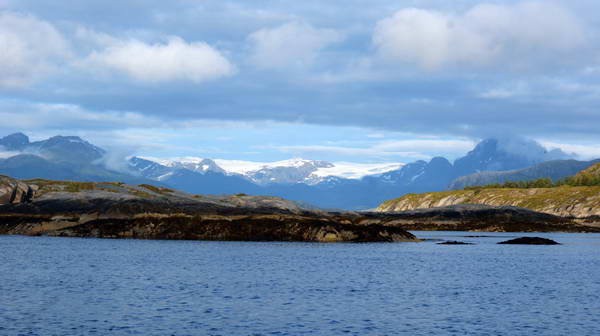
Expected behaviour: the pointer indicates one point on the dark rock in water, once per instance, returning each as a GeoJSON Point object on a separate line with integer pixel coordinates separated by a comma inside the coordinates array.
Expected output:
{"type": "Point", "coordinates": [530, 241]}
{"type": "Point", "coordinates": [454, 242]}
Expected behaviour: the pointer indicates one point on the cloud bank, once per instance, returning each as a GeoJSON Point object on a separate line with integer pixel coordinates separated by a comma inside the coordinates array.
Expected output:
{"type": "Point", "coordinates": [292, 44]}
{"type": "Point", "coordinates": [452, 69]}
{"type": "Point", "coordinates": [512, 36]}
{"type": "Point", "coordinates": [30, 48]}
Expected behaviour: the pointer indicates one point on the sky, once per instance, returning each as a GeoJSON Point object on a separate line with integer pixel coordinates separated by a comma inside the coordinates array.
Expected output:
{"type": "Point", "coordinates": [352, 80]}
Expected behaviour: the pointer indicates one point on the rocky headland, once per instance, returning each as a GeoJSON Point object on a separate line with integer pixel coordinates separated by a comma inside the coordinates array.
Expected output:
{"type": "Point", "coordinates": [576, 197]}
{"type": "Point", "coordinates": [566, 201]}
{"type": "Point", "coordinates": [483, 218]}
{"type": "Point", "coordinates": [117, 210]}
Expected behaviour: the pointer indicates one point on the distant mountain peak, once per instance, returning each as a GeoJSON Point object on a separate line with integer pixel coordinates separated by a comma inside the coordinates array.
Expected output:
{"type": "Point", "coordinates": [195, 164]}
{"type": "Point", "coordinates": [15, 141]}
{"type": "Point", "coordinates": [70, 149]}
{"type": "Point", "coordinates": [68, 138]}
{"type": "Point", "coordinates": [505, 153]}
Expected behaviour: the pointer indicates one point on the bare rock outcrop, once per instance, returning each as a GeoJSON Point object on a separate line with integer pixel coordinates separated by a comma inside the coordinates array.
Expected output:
{"type": "Point", "coordinates": [13, 191]}
{"type": "Point", "coordinates": [117, 210]}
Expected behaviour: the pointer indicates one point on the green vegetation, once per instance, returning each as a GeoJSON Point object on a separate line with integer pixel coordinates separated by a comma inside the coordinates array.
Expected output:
{"type": "Point", "coordinates": [46, 186]}
{"type": "Point", "coordinates": [79, 186]}
{"type": "Point", "coordinates": [540, 183]}
{"type": "Point", "coordinates": [156, 189]}
{"type": "Point", "coordinates": [586, 178]}
{"type": "Point", "coordinates": [139, 193]}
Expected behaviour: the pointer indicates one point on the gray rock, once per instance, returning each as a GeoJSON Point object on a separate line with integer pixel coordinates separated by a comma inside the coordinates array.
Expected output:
{"type": "Point", "coordinates": [529, 241]}
{"type": "Point", "coordinates": [14, 192]}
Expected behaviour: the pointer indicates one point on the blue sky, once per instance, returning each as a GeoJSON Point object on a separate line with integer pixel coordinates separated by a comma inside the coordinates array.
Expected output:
{"type": "Point", "coordinates": [352, 80]}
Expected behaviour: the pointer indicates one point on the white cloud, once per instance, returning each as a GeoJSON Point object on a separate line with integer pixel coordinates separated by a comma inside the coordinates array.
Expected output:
{"type": "Point", "coordinates": [171, 61]}
{"type": "Point", "coordinates": [290, 45]}
{"type": "Point", "coordinates": [7, 154]}
{"type": "Point", "coordinates": [422, 149]}
{"type": "Point", "coordinates": [586, 152]}
{"type": "Point", "coordinates": [352, 151]}
{"type": "Point", "coordinates": [36, 116]}
{"type": "Point", "coordinates": [507, 91]}
{"type": "Point", "coordinates": [29, 49]}
{"type": "Point", "coordinates": [427, 145]}
{"type": "Point", "coordinates": [517, 36]}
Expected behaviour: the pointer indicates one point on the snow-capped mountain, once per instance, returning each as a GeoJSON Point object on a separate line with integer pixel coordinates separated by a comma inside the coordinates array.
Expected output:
{"type": "Point", "coordinates": [291, 171]}
{"type": "Point", "coordinates": [195, 164]}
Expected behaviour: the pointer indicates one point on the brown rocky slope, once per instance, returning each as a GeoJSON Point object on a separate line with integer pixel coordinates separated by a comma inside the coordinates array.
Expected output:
{"type": "Point", "coordinates": [566, 201]}
{"type": "Point", "coordinates": [577, 197]}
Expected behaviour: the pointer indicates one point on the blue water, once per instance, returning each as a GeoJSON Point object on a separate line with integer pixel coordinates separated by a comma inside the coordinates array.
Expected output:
{"type": "Point", "coordinates": [66, 286]}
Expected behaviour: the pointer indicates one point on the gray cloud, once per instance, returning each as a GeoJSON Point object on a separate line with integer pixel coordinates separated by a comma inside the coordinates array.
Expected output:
{"type": "Point", "coordinates": [514, 37]}
{"type": "Point", "coordinates": [531, 149]}
{"type": "Point", "coordinates": [31, 48]}
{"type": "Point", "coordinates": [466, 92]}
{"type": "Point", "coordinates": [290, 45]}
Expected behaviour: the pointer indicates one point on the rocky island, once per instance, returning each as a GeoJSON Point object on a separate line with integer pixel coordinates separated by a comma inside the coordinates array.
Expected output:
{"type": "Point", "coordinates": [118, 210]}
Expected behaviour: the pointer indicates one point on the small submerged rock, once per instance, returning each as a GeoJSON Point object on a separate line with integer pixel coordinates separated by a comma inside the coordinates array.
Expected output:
{"type": "Point", "coordinates": [480, 236]}
{"type": "Point", "coordinates": [530, 241]}
{"type": "Point", "coordinates": [453, 242]}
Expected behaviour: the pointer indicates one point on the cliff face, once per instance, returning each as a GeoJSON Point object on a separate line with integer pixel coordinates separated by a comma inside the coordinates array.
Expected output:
{"type": "Point", "coordinates": [115, 210]}
{"type": "Point", "coordinates": [13, 191]}
{"type": "Point", "coordinates": [564, 201]}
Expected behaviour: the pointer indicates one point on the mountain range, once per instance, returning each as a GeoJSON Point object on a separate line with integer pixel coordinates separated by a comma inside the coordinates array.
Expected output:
{"type": "Point", "coordinates": [291, 171]}
{"type": "Point", "coordinates": [321, 183]}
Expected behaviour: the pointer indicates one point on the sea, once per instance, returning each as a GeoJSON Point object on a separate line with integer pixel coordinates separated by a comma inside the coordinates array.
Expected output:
{"type": "Point", "coordinates": [73, 286]}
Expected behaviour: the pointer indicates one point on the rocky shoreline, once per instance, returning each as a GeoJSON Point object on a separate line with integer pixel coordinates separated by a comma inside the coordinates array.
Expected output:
{"type": "Point", "coordinates": [115, 210]}
{"type": "Point", "coordinates": [151, 220]}
{"type": "Point", "coordinates": [484, 218]}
